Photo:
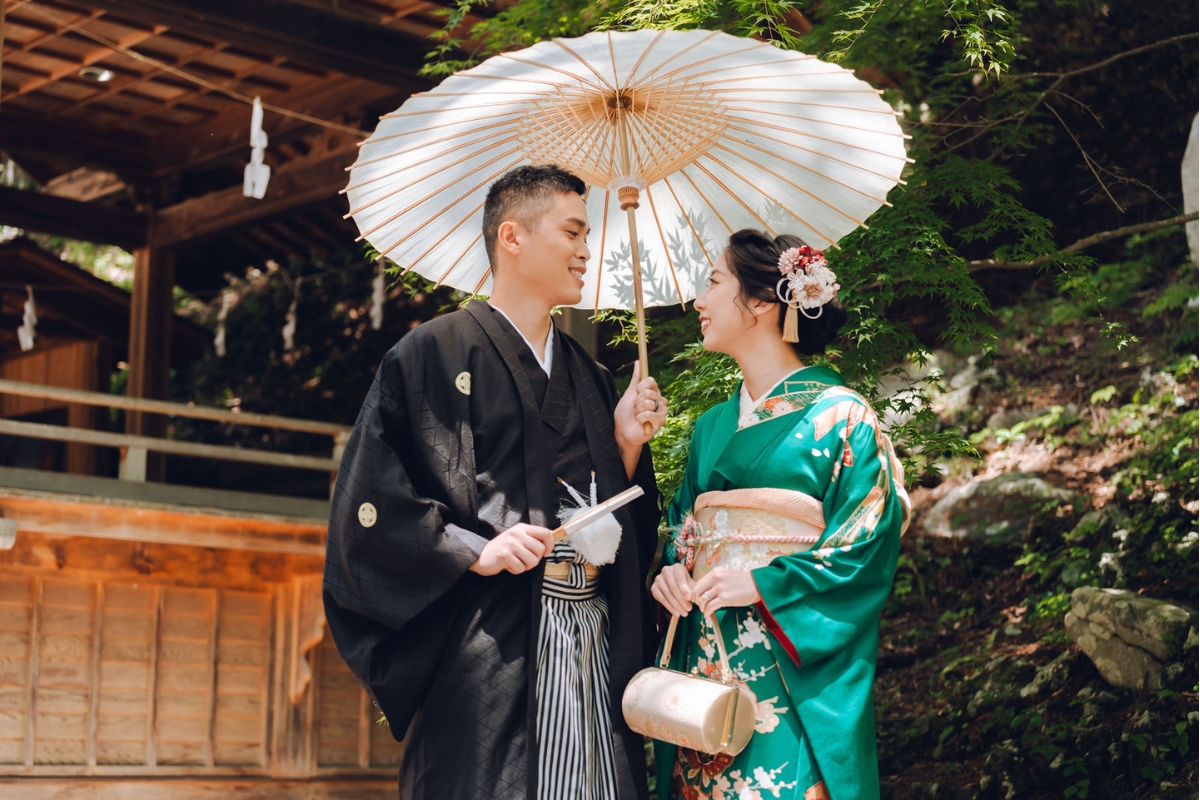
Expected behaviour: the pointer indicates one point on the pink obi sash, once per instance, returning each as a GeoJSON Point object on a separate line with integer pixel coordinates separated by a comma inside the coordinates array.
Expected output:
{"type": "Point", "coordinates": [745, 529]}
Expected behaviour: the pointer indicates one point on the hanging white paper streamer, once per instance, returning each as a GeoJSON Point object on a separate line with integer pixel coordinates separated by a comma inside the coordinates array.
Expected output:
{"type": "Point", "coordinates": [254, 182]}
{"type": "Point", "coordinates": [25, 333]}
{"type": "Point", "coordinates": [226, 304]}
{"type": "Point", "coordinates": [377, 297]}
{"type": "Point", "coordinates": [289, 328]}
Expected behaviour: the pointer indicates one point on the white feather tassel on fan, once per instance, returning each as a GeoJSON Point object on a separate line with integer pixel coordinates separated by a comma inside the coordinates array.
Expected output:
{"type": "Point", "coordinates": [598, 542]}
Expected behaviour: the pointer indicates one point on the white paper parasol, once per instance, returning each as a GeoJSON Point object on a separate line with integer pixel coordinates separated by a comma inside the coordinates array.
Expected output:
{"type": "Point", "coordinates": [682, 136]}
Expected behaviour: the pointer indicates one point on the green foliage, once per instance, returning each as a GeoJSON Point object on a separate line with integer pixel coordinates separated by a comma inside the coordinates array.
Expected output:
{"type": "Point", "coordinates": [985, 32]}
{"type": "Point", "coordinates": [707, 379]}
{"type": "Point", "coordinates": [761, 18]}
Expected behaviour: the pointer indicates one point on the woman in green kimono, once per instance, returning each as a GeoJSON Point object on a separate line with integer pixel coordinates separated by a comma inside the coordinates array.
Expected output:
{"type": "Point", "coordinates": [789, 519]}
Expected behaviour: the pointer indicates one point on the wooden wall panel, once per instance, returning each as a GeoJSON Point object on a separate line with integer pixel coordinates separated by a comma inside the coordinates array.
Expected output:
{"type": "Point", "coordinates": [385, 750]}
{"type": "Point", "coordinates": [126, 659]}
{"type": "Point", "coordinates": [16, 627]}
{"type": "Point", "coordinates": [75, 365]}
{"type": "Point", "coordinates": [64, 672]}
{"type": "Point", "coordinates": [339, 707]}
{"type": "Point", "coordinates": [243, 670]}
{"type": "Point", "coordinates": [102, 678]}
{"type": "Point", "coordinates": [346, 723]}
{"type": "Point", "coordinates": [186, 654]}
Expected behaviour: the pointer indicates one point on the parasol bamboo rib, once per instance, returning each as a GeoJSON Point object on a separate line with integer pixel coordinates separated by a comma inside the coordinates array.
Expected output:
{"type": "Point", "coordinates": [824, 122]}
{"type": "Point", "coordinates": [704, 197]}
{"type": "Point", "coordinates": [817, 153]}
{"type": "Point", "coordinates": [487, 273]}
{"type": "Point", "coordinates": [408, 186]}
{"type": "Point", "coordinates": [586, 64]}
{"type": "Point", "coordinates": [439, 140]}
{"type": "Point", "coordinates": [572, 75]}
{"type": "Point", "coordinates": [666, 250]}
{"type": "Point", "coordinates": [786, 209]}
{"type": "Point", "coordinates": [407, 167]}
{"type": "Point", "coordinates": [678, 54]}
{"type": "Point", "coordinates": [766, 225]}
{"type": "Point", "coordinates": [424, 111]}
{"type": "Point", "coordinates": [482, 77]}
{"type": "Point", "coordinates": [691, 226]}
{"type": "Point", "coordinates": [654, 73]}
{"type": "Point", "coordinates": [839, 142]}
{"type": "Point", "coordinates": [454, 202]}
{"type": "Point", "coordinates": [860, 109]}
{"type": "Point", "coordinates": [818, 173]}
{"type": "Point", "coordinates": [629, 79]}
{"type": "Point", "coordinates": [448, 233]}
{"type": "Point", "coordinates": [600, 261]}
{"type": "Point", "coordinates": [456, 261]}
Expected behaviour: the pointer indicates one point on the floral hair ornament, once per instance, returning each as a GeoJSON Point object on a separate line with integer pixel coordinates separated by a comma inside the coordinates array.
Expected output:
{"type": "Point", "coordinates": [807, 283]}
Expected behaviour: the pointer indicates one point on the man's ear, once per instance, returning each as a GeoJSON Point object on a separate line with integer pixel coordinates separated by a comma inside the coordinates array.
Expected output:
{"type": "Point", "coordinates": [508, 237]}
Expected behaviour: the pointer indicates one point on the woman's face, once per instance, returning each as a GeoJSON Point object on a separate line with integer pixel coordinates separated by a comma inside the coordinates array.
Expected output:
{"type": "Point", "coordinates": [724, 318]}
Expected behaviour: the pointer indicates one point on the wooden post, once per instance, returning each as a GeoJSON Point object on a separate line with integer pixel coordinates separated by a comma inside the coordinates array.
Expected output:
{"type": "Point", "coordinates": [150, 315]}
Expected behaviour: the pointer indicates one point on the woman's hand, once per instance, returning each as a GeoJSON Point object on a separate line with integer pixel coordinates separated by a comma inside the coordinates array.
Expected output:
{"type": "Point", "coordinates": [725, 588]}
{"type": "Point", "coordinates": [673, 588]}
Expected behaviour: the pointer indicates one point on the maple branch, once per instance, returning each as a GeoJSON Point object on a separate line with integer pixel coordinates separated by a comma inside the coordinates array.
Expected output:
{"type": "Point", "coordinates": [1084, 243]}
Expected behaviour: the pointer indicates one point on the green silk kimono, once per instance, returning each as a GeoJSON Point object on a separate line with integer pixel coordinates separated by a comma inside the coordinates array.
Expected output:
{"type": "Point", "coordinates": [808, 649]}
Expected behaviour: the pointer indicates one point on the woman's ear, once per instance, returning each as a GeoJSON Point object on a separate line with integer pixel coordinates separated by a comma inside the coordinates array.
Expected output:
{"type": "Point", "coordinates": [758, 306]}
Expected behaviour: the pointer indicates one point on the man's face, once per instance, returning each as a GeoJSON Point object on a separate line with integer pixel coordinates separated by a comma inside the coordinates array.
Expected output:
{"type": "Point", "coordinates": [553, 254]}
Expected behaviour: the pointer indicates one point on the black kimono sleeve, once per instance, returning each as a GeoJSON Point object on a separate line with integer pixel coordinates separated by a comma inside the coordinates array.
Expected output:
{"type": "Point", "coordinates": [396, 547]}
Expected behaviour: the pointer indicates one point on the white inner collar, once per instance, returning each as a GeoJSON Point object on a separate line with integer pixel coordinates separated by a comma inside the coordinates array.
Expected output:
{"type": "Point", "coordinates": [545, 358]}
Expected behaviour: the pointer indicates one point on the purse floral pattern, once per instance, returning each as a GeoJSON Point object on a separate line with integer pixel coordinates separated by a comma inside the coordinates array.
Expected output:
{"type": "Point", "coordinates": [766, 769]}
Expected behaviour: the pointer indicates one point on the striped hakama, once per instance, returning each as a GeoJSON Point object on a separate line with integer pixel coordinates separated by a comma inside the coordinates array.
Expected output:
{"type": "Point", "coordinates": [574, 730]}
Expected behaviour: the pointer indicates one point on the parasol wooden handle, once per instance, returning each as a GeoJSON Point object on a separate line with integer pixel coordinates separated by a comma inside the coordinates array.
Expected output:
{"type": "Point", "coordinates": [629, 202]}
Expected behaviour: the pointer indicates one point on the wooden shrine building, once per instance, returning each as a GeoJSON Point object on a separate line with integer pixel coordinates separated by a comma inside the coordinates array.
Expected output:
{"type": "Point", "coordinates": [160, 640]}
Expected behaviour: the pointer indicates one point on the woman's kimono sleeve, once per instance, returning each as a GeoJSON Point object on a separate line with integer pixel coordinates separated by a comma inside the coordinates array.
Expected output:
{"type": "Point", "coordinates": [817, 603]}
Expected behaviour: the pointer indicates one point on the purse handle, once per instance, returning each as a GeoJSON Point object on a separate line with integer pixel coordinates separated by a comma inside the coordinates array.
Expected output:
{"type": "Point", "coordinates": [726, 671]}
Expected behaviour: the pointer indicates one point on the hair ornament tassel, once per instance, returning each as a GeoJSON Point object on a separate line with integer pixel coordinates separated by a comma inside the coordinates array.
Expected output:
{"type": "Point", "coordinates": [791, 331]}
{"type": "Point", "coordinates": [807, 283]}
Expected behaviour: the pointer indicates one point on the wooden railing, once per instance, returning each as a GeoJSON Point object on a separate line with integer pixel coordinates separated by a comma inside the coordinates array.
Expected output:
{"type": "Point", "coordinates": [134, 448]}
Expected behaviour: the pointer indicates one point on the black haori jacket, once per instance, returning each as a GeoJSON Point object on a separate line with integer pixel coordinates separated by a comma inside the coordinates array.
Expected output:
{"type": "Point", "coordinates": [447, 452]}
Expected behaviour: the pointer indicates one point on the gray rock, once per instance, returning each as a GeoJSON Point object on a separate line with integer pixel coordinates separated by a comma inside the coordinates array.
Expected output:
{"type": "Point", "coordinates": [1051, 677]}
{"type": "Point", "coordinates": [1001, 508]}
{"type": "Point", "coordinates": [1004, 420]}
{"type": "Point", "coordinates": [1002, 679]}
{"type": "Point", "coordinates": [1129, 638]}
{"type": "Point", "coordinates": [1099, 525]}
{"type": "Point", "coordinates": [1006, 773]}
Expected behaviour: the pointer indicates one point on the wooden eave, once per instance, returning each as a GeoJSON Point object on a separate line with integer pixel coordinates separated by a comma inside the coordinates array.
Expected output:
{"type": "Point", "coordinates": [165, 127]}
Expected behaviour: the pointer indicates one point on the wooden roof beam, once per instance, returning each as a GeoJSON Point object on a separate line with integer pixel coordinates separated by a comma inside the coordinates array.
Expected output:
{"type": "Point", "coordinates": [130, 155]}
{"type": "Point", "coordinates": [297, 184]}
{"type": "Point", "coordinates": [58, 216]}
{"type": "Point", "coordinates": [316, 36]}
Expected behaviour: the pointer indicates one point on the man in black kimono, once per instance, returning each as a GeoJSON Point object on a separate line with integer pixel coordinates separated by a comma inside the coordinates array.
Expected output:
{"type": "Point", "coordinates": [441, 574]}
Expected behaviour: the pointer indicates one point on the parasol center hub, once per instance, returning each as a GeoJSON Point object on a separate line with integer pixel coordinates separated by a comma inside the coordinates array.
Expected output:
{"type": "Point", "coordinates": [621, 100]}
{"type": "Point", "coordinates": [628, 196]}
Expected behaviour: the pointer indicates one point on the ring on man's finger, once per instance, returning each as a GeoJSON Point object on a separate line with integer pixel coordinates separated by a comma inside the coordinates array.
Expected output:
{"type": "Point", "coordinates": [706, 597]}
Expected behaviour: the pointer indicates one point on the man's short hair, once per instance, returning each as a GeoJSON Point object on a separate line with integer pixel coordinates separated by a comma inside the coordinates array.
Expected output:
{"type": "Point", "coordinates": [523, 194]}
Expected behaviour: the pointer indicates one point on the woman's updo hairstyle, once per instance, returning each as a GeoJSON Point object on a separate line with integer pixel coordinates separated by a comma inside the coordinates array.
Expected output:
{"type": "Point", "coordinates": [753, 257]}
